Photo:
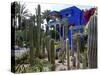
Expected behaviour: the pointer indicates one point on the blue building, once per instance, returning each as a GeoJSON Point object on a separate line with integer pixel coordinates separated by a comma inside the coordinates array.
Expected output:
{"type": "Point", "coordinates": [73, 15]}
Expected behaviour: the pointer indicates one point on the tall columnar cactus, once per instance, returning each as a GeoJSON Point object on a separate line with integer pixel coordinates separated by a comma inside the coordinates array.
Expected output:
{"type": "Point", "coordinates": [38, 29]}
{"type": "Point", "coordinates": [65, 35]}
{"type": "Point", "coordinates": [72, 51]}
{"type": "Point", "coordinates": [43, 44]}
{"type": "Point", "coordinates": [67, 43]}
{"type": "Point", "coordinates": [92, 42]}
{"type": "Point", "coordinates": [85, 60]}
{"type": "Point", "coordinates": [34, 29]}
{"type": "Point", "coordinates": [68, 54]}
{"type": "Point", "coordinates": [62, 46]}
{"type": "Point", "coordinates": [48, 47]}
{"type": "Point", "coordinates": [52, 55]}
{"type": "Point", "coordinates": [32, 53]}
{"type": "Point", "coordinates": [78, 50]}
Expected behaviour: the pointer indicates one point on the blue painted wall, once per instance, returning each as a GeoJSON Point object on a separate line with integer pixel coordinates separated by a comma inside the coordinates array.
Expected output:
{"type": "Point", "coordinates": [74, 16]}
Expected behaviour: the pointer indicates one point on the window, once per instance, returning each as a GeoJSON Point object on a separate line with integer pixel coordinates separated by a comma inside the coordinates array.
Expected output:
{"type": "Point", "coordinates": [68, 15]}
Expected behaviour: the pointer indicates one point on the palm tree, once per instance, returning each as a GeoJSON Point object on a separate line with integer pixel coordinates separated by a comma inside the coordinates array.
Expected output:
{"type": "Point", "coordinates": [45, 15]}
{"type": "Point", "coordinates": [20, 13]}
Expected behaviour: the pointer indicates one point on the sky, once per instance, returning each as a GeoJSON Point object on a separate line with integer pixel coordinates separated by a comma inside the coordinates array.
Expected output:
{"type": "Point", "coordinates": [50, 6]}
{"type": "Point", "coordinates": [31, 6]}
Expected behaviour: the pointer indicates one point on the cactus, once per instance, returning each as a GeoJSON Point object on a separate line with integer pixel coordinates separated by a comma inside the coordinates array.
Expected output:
{"type": "Point", "coordinates": [72, 49]}
{"type": "Point", "coordinates": [67, 43]}
{"type": "Point", "coordinates": [38, 29]}
{"type": "Point", "coordinates": [68, 55]}
{"type": "Point", "coordinates": [43, 44]}
{"type": "Point", "coordinates": [63, 49]}
{"type": "Point", "coordinates": [52, 55]}
{"type": "Point", "coordinates": [92, 42]}
{"type": "Point", "coordinates": [85, 60]}
{"type": "Point", "coordinates": [48, 47]}
{"type": "Point", "coordinates": [31, 44]}
{"type": "Point", "coordinates": [78, 50]}
{"type": "Point", "coordinates": [61, 55]}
